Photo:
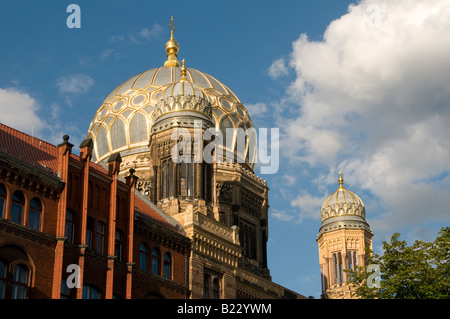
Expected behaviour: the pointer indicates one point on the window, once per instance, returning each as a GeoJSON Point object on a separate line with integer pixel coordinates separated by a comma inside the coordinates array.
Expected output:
{"type": "Point", "coordinates": [2, 200]}
{"type": "Point", "coordinates": [206, 279]}
{"type": "Point", "coordinates": [247, 239]}
{"type": "Point", "coordinates": [183, 181]}
{"type": "Point", "coordinates": [100, 237]}
{"type": "Point", "coordinates": [216, 289]}
{"type": "Point", "coordinates": [35, 214]}
{"type": "Point", "coordinates": [143, 256]}
{"type": "Point", "coordinates": [89, 232]}
{"type": "Point", "coordinates": [70, 226]}
{"type": "Point", "coordinates": [187, 178]}
{"type": "Point", "coordinates": [20, 282]}
{"type": "Point", "coordinates": [155, 262]}
{"type": "Point", "coordinates": [3, 268]}
{"type": "Point", "coordinates": [17, 207]}
{"type": "Point", "coordinates": [118, 245]}
{"type": "Point", "coordinates": [167, 266]}
{"type": "Point", "coordinates": [90, 292]}
{"type": "Point", "coordinates": [190, 191]}
{"type": "Point", "coordinates": [206, 181]}
{"type": "Point", "coordinates": [352, 260]}
{"type": "Point", "coordinates": [15, 272]}
{"type": "Point", "coordinates": [164, 179]}
{"type": "Point", "coordinates": [171, 179]}
{"type": "Point", "coordinates": [338, 270]}
{"type": "Point", "coordinates": [65, 291]}
{"type": "Point", "coordinates": [211, 286]}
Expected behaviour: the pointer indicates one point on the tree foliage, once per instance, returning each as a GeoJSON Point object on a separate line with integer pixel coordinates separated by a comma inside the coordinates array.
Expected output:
{"type": "Point", "coordinates": [420, 271]}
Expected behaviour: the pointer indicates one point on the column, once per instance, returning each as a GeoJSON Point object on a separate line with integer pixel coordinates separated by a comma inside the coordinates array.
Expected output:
{"type": "Point", "coordinates": [113, 170]}
{"type": "Point", "coordinates": [64, 150]}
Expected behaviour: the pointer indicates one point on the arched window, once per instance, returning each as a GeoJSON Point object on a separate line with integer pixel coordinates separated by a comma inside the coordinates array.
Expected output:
{"type": "Point", "coordinates": [3, 269]}
{"type": "Point", "coordinates": [15, 272]}
{"type": "Point", "coordinates": [17, 207]}
{"type": "Point", "coordinates": [167, 266]}
{"type": "Point", "coordinates": [118, 245]}
{"type": "Point", "coordinates": [143, 257]}
{"type": "Point", "coordinates": [90, 292]}
{"type": "Point", "coordinates": [35, 214]}
{"type": "Point", "coordinates": [20, 282]}
{"type": "Point", "coordinates": [2, 201]}
{"type": "Point", "coordinates": [155, 262]}
{"type": "Point", "coordinates": [70, 226]}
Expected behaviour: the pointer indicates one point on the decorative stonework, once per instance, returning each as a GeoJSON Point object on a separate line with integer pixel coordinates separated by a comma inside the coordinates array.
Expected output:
{"type": "Point", "coordinates": [341, 209]}
{"type": "Point", "coordinates": [183, 102]}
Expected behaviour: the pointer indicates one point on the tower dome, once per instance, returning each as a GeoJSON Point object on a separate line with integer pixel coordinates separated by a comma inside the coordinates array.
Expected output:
{"type": "Point", "coordinates": [343, 209]}
{"type": "Point", "coordinates": [124, 121]}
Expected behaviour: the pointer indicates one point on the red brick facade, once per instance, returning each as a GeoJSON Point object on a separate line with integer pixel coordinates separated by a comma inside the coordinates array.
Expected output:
{"type": "Point", "coordinates": [59, 209]}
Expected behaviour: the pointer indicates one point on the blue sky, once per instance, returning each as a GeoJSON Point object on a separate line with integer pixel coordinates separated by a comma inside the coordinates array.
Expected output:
{"type": "Point", "coordinates": [361, 89]}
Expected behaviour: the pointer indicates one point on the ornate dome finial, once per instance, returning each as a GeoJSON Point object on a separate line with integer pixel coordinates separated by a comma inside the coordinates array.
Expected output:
{"type": "Point", "coordinates": [183, 71]}
{"type": "Point", "coordinates": [341, 180]}
{"type": "Point", "coordinates": [172, 48]}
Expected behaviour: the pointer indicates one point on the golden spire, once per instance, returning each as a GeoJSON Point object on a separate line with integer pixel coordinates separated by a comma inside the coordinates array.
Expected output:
{"type": "Point", "coordinates": [183, 71]}
{"type": "Point", "coordinates": [341, 180]}
{"type": "Point", "coordinates": [172, 48]}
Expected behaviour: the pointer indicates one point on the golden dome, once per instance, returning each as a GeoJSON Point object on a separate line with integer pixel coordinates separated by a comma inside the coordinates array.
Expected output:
{"type": "Point", "coordinates": [343, 209]}
{"type": "Point", "coordinates": [124, 121]}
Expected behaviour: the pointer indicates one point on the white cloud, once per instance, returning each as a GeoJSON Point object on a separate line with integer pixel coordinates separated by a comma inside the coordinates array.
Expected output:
{"type": "Point", "coordinates": [289, 180]}
{"type": "Point", "coordinates": [281, 215]}
{"type": "Point", "coordinates": [278, 68]}
{"type": "Point", "coordinates": [256, 109]}
{"type": "Point", "coordinates": [146, 34]}
{"type": "Point", "coordinates": [19, 110]}
{"type": "Point", "coordinates": [76, 83]}
{"type": "Point", "coordinates": [373, 98]}
{"type": "Point", "coordinates": [308, 205]}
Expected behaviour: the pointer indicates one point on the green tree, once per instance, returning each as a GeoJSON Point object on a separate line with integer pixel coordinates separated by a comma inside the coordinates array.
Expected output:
{"type": "Point", "coordinates": [407, 272]}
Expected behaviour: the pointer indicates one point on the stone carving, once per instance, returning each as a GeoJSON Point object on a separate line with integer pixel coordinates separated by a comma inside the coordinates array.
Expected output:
{"type": "Point", "coordinates": [183, 102]}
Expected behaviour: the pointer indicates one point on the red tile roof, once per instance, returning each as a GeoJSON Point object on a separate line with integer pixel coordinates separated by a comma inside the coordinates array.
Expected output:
{"type": "Point", "coordinates": [148, 211]}
{"type": "Point", "coordinates": [28, 149]}
{"type": "Point", "coordinates": [44, 156]}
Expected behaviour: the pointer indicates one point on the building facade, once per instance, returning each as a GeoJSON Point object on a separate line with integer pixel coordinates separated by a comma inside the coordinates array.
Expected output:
{"type": "Point", "coordinates": [139, 211]}
{"type": "Point", "coordinates": [63, 215]}
{"type": "Point", "coordinates": [343, 239]}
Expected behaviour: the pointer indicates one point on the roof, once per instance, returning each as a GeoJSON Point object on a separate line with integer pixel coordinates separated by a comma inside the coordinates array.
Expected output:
{"type": "Point", "coordinates": [29, 149]}
{"type": "Point", "coordinates": [151, 211]}
{"type": "Point", "coordinates": [44, 156]}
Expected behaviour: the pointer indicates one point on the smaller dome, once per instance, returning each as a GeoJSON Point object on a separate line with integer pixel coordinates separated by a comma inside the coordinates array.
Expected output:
{"type": "Point", "coordinates": [184, 87]}
{"type": "Point", "coordinates": [343, 209]}
{"type": "Point", "coordinates": [183, 96]}
{"type": "Point", "coordinates": [342, 196]}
